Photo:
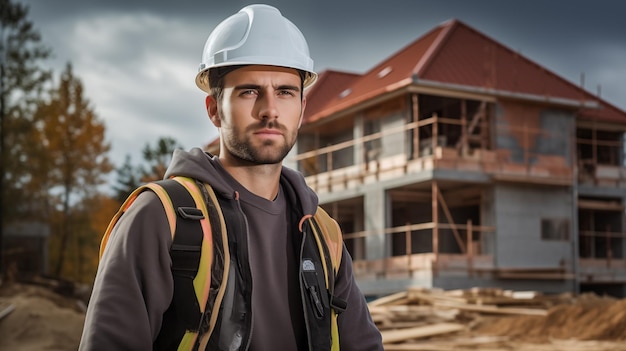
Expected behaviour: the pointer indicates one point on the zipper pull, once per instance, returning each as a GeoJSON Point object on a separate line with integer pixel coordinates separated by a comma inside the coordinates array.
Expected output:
{"type": "Point", "coordinates": [319, 309]}
{"type": "Point", "coordinates": [309, 276]}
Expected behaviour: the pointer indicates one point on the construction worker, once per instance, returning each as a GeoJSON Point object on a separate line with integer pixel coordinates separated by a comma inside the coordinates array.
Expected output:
{"type": "Point", "coordinates": [255, 67]}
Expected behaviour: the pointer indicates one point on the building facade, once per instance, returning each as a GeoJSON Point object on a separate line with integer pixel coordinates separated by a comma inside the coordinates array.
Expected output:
{"type": "Point", "coordinates": [457, 162]}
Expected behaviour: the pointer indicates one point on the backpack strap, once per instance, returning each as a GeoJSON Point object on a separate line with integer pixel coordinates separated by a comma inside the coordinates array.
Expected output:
{"type": "Point", "coordinates": [191, 253]}
{"type": "Point", "coordinates": [331, 233]}
{"type": "Point", "coordinates": [162, 195]}
{"type": "Point", "coordinates": [193, 269]}
{"type": "Point", "coordinates": [192, 259]}
{"type": "Point", "coordinates": [329, 240]}
{"type": "Point", "coordinates": [184, 312]}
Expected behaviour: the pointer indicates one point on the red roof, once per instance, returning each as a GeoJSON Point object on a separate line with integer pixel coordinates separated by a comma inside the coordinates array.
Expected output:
{"type": "Point", "coordinates": [329, 84]}
{"type": "Point", "coordinates": [455, 55]}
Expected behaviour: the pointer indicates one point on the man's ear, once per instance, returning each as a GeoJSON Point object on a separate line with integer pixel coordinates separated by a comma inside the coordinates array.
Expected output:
{"type": "Point", "coordinates": [211, 108]}
{"type": "Point", "coordinates": [302, 112]}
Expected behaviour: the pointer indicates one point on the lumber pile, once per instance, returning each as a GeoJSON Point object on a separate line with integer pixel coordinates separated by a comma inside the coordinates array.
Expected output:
{"type": "Point", "coordinates": [434, 319]}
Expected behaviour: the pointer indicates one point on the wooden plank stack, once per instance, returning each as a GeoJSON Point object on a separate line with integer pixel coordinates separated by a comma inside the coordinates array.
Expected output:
{"type": "Point", "coordinates": [434, 319]}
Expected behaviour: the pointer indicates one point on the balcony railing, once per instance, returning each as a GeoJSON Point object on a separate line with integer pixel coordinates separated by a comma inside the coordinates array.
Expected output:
{"type": "Point", "coordinates": [467, 248]}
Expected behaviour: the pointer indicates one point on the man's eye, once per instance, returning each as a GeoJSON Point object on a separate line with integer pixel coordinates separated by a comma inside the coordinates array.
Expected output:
{"type": "Point", "coordinates": [286, 92]}
{"type": "Point", "coordinates": [248, 92]}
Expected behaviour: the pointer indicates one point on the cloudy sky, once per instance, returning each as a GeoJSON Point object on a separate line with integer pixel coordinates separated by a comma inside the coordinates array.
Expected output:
{"type": "Point", "coordinates": [138, 58]}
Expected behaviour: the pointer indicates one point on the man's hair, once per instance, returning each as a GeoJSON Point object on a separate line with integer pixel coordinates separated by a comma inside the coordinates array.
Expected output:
{"type": "Point", "coordinates": [216, 80]}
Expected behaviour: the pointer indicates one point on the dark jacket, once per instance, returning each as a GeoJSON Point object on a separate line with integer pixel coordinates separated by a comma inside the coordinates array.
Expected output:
{"type": "Point", "coordinates": [134, 286]}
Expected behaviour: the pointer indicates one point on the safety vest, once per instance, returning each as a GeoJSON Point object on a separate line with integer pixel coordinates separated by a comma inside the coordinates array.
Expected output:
{"type": "Point", "coordinates": [208, 291]}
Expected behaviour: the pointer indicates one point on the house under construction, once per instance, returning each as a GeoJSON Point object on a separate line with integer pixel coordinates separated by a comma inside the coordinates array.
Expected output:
{"type": "Point", "coordinates": [458, 162]}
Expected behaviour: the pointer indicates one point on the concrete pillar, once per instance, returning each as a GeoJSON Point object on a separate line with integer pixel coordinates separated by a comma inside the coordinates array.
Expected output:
{"type": "Point", "coordinates": [358, 132]}
{"type": "Point", "coordinates": [377, 243]}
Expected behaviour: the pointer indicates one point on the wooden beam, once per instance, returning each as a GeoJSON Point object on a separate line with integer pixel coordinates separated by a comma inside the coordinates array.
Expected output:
{"type": "Point", "coordinates": [410, 195]}
{"type": "Point", "coordinates": [391, 336]}
{"type": "Point", "coordinates": [451, 222]}
{"type": "Point", "coordinates": [600, 205]}
{"type": "Point", "coordinates": [6, 309]}
{"type": "Point", "coordinates": [493, 309]}
{"type": "Point", "coordinates": [388, 299]}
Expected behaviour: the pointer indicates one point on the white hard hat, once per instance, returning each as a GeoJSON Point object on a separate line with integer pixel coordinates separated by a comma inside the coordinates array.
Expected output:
{"type": "Point", "coordinates": [256, 35]}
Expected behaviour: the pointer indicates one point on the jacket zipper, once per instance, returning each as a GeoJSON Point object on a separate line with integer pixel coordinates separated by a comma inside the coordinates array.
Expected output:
{"type": "Point", "coordinates": [302, 290]}
{"type": "Point", "coordinates": [248, 275]}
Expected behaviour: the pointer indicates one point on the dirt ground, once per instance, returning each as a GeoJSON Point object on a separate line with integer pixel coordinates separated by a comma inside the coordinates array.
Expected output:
{"type": "Point", "coordinates": [44, 320]}
{"type": "Point", "coordinates": [588, 323]}
{"type": "Point", "coordinates": [40, 319]}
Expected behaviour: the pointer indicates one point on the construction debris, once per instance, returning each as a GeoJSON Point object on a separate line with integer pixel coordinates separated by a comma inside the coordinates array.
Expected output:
{"type": "Point", "coordinates": [413, 320]}
{"type": "Point", "coordinates": [496, 320]}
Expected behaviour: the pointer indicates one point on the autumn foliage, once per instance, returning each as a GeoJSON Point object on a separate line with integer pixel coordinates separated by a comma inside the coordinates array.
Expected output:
{"type": "Point", "coordinates": [54, 158]}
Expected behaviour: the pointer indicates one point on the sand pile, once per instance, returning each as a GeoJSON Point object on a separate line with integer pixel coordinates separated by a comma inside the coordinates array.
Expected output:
{"type": "Point", "coordinates": [588, 317]}
{"type": "Point", "coordinates": [40, 320]}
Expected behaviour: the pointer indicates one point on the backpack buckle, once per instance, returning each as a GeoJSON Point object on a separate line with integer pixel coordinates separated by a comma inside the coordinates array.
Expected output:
{"type": "Point", "coordinates": [192, 213]}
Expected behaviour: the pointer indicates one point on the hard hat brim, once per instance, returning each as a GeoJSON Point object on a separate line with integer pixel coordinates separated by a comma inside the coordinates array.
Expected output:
{"type": "Point", "coordinates": [202, 78]}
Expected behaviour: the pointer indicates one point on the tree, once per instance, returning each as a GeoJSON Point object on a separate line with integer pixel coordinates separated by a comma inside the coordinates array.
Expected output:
{"type": "Point", "coordinates": [91, 219]}
{"type": "Point", "coordinates": [21, 81]}
{"type": "Point", "coordinates": [128, 179]}
{"type": "Point", "coordinates": [158, 158]}
{"type": "Point", "coordinates": [70, 151]}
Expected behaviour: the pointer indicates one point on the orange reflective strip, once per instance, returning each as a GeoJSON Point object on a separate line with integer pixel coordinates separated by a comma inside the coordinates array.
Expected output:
{"type": "Point", "coordinates": [160, 192]}
{"type": "Point", "coordinates": [332, 236]}
{"type": "Point", "coordinates": [170, 212]}
{"type": "Point", "coordinates": [202, 281]}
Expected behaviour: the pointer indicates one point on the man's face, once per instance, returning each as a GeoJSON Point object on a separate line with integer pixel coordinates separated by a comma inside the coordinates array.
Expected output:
{"type": "Point", "coordinates": [260, 113]}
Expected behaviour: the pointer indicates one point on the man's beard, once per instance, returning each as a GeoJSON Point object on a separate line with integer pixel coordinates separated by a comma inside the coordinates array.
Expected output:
{"type": "Point", "coordinates": [240, 146]}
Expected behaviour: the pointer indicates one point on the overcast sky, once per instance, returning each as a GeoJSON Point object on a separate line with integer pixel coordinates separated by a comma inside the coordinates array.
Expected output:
{"type": "Point", "coordinates": [138, 58]}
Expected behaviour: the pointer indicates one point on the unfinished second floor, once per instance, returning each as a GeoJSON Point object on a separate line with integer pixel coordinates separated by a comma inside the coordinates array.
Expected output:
{"type": "Point", "coordinates": [457, 100]}
{"type": "Point", "coordinates": [424, 130]}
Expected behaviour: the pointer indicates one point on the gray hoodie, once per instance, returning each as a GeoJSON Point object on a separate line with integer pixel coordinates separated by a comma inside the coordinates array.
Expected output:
{"type": "Point", "coordinates": [134, 286]}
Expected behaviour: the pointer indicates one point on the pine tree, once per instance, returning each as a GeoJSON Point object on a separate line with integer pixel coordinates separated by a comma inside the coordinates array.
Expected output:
{"type": "Point", "coordinates": [158, 158]}
{"type": "Point", "coordinates": [21, 80]}
{"type": "Point", "coordinates": [128, 179]}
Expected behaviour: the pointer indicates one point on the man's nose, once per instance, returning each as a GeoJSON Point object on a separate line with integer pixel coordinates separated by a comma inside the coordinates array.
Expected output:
{"type": "Point", "coordinates": [268, 109]}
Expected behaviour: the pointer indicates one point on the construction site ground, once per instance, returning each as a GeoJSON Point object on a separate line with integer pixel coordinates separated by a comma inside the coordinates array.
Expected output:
{"type": "Point", "coordinates": [44, 317]}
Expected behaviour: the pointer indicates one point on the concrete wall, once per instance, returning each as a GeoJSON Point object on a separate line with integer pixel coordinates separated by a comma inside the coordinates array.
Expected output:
{"type": "Point", "coordinates": [519, 209]}
{"type": "Point", "coordinates": [393, 144]}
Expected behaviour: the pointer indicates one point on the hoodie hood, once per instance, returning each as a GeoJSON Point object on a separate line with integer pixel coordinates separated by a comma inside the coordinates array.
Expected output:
{"type": "Point", "coordinates": [207, 168]}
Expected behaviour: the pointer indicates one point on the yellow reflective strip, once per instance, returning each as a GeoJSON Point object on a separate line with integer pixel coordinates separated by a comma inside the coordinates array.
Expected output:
{"type": "Point", "coordinates": [189, 339]}
{"type": "Point", "coordinates": [202, 281]}
{"type": "Point", "coordinates": [334, 331]}
{"type": "Point", "coordinates": [220, 294]}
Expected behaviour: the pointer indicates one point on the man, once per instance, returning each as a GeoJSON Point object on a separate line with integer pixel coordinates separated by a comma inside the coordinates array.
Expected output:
{"type": "Point", "coordinates": [255, 67]}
